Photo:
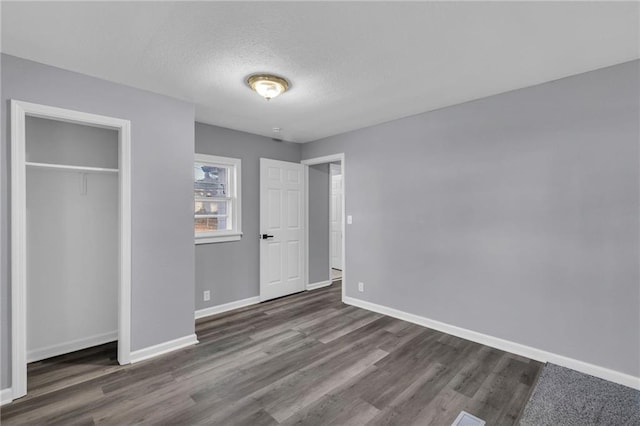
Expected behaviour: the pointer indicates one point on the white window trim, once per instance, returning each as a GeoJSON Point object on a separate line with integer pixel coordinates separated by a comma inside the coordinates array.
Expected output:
{"type": "Point", "coordinates": [236, 177]}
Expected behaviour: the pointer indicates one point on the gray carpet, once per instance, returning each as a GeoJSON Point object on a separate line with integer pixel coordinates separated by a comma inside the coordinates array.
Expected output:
{"type": "Point", "coordinates": [566, 397]}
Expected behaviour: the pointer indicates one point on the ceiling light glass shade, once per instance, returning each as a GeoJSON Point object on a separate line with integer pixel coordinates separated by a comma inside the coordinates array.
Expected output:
{"type": "Point", "coordinates": [267, 86]}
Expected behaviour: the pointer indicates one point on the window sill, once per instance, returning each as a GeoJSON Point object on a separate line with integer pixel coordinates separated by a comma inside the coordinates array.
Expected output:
{"type": "Point", "coordinates": [223, 238]}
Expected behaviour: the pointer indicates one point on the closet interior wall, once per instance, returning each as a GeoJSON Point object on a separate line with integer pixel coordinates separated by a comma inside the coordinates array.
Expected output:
{"type": "Point", "coordinates": [72, 237]}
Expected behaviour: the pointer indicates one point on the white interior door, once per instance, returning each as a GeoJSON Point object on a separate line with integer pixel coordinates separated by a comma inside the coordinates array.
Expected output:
{"type": "Point", "coordinates": [282, 229]}
{"type": "Point", "coordinates": [336, 217]}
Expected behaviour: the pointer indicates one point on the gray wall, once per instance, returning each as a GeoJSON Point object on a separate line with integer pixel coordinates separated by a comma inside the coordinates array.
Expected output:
{"type": "Point", "coordinates": [51, 141]}
{"type": "Point", "coordinates": [319, 215]}
{"type": "Point", "coordinates": [162, 194]}
{"type": "Point", "coordinates": [514, 215]}
{"type": "Point", "coordinates": [231, 270]}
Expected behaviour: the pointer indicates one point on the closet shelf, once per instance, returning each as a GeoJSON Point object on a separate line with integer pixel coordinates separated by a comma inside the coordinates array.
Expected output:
{"type": "Point", "coordinates": [63, 167]}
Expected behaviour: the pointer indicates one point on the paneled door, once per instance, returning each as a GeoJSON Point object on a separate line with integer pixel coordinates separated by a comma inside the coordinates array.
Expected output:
{"type": "Point", "coordinates": [282, 229]}
{"type": "Point", "coordinates": [336, 217]}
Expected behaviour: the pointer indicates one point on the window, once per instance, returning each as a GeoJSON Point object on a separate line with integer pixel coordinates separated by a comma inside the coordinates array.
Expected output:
{"type": "Point", "coordinates": [216, 185]}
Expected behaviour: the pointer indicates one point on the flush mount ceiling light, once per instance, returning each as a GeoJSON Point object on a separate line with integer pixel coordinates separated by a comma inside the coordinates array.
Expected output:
{"type": "Point", "coordinates": [268, 86]}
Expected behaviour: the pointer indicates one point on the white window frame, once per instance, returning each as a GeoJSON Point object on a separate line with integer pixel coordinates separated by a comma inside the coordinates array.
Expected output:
{"type": "Point", "coordinates": [235, 192]}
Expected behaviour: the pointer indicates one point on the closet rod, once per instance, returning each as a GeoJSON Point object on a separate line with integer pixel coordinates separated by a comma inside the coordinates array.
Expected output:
{"type": "Point", "coordinates": [71, 168]}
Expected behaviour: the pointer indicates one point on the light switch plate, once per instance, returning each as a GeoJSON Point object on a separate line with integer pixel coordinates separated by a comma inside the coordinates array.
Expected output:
{"type": "Point", "coordinates": [349, 219]}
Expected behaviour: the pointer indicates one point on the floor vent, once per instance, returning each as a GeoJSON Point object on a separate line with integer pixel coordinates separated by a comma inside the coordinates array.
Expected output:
{"type": "Point", "coordinates": [466, 419]}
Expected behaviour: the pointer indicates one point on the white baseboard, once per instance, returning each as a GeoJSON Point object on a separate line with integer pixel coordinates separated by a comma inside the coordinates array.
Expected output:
{"type": "Point", "coordinates": [318, 285]}
{"type": "Point", "coordinates": [226, 307]}
{"type": "Point", "coordinates": [6, 396]}
{"type": "Point", "coordinates": [163, 348]}
{"type": "Point", "coordinates": [504, 345]}
{"type": "Point", "coordinates": [72, 346]}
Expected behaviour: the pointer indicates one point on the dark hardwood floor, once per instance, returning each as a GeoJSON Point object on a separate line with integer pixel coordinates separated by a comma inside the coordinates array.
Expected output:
{"type": "Point", "coordinates": [304, 359]}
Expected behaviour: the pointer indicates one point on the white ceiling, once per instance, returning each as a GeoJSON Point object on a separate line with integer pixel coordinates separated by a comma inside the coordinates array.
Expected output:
{"type": "Point", "coordinates": [351, 65]}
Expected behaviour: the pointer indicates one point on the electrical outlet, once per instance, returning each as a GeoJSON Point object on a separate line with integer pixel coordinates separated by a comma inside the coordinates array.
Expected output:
{"type": "Point", "coordinates": [361, 287]}
{"type": "Point", "coordinates": [207, 295]}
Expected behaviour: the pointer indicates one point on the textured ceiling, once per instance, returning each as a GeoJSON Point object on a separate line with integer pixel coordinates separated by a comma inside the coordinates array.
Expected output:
{"type": "Point", "coordinates": [351, 65]}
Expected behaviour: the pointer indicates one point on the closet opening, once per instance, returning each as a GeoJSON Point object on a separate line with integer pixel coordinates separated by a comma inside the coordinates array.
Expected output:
{"type": "Point", "coordinates": [70, 243]}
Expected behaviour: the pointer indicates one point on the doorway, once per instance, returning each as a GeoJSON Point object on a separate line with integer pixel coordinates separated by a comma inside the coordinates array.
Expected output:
{"type": "Point", "coordinates": [335, 221]}
{"type": "Point", "coordinates": [334, 203]}
{"type": "Point", "coordinates": [71, 225]}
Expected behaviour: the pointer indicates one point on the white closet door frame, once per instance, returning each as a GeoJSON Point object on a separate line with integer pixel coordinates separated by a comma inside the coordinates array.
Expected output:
{"type": "Point", "coordinates": [19, 111]}
{"type": "Point", "coordinates": [312, 162]}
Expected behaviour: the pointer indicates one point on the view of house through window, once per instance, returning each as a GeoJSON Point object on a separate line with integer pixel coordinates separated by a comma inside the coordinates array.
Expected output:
{"type": "Point", "coordinates": [216, 201]}
{"type": "Point", "coordinates": [211, 195]}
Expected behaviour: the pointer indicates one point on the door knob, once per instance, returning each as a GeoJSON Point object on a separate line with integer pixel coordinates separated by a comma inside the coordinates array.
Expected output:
{"type": "Point", "coordinates": [266, 236]}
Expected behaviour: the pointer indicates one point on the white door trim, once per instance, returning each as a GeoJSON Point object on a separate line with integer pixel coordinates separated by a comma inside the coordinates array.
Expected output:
{"type": "Point", "coordinates": [19, 111]}
{"type": "Point", "coordinates": [311, 162]}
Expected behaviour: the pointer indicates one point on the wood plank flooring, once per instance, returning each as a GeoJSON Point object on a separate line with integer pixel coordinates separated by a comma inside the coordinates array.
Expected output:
{"type": "Point", "coordinates": [304, 359]}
